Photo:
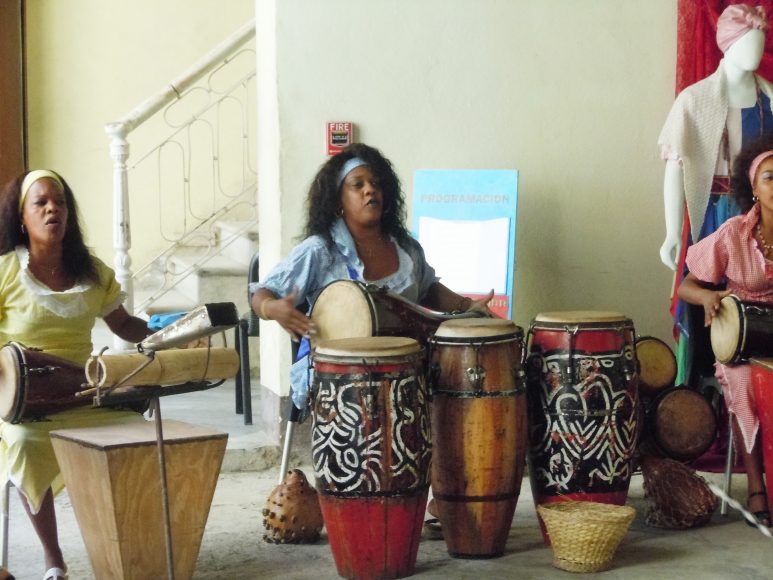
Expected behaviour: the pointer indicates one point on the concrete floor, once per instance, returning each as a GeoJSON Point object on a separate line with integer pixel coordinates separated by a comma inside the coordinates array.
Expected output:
{"type": "Point", "coordinates": [232, 547]}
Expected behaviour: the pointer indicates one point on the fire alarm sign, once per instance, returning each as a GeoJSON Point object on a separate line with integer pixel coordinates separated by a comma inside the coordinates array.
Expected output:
{"type": "Point", "coordinates": [337, 136]}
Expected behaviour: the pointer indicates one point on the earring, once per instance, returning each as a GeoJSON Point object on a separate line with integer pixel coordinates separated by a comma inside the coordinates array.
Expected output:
{"type": "Point", "coordinates": [755, 199]}
{"type": "Point", "coordinates": [340, 212]}
{"type": "Point", "coordinates": [23, 230]}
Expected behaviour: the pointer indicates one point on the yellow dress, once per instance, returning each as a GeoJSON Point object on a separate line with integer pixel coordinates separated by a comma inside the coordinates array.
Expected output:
{"type": "Point", "coordinates": [59, 323]}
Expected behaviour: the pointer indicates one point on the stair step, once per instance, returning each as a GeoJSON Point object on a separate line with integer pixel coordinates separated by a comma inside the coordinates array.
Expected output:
{"type": "Point", "coordinates": [172, 301]}
{"type": "Point", "coordinates": [244, 243]}
{"type": "Point", "coordinates": [218, 265]}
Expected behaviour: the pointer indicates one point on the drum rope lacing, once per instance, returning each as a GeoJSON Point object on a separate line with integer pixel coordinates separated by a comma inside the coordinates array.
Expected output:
{"type": "Point", "coordinates": [765, 531]}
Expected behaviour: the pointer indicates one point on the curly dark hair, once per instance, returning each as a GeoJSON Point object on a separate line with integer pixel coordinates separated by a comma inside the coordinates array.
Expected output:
{"type": "Point", "coordinates": [76, 257]}
{"type": "Point", "coordinates": [739, 181]}
{"type": "Point", "coordinates": [324, 197]}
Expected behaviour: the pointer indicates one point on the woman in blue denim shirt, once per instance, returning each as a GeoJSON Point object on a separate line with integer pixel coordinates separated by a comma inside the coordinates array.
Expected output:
{"type": "Point", "coordinates": [354, 230]}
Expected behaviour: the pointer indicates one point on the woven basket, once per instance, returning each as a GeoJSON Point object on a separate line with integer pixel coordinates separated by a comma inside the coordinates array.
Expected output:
{"type": "Point", "coordinates": [585, 534]}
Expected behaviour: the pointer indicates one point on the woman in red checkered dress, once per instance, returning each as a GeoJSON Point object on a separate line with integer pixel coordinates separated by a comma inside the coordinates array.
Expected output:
{"type": "Point", "coordinates": [738, 259]}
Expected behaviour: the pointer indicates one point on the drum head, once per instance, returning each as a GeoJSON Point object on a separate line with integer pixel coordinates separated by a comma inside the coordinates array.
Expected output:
{"type": "Point", "coordinates": [367, 347]}
{"type": "Point", "coordinates": [342, 310]}
{"type": "Point", "coordinates": [9, 381]}
{"type": "Point", "coordinates": [580, 316]}
{"type": "Point", "coordinates": [657, 365]}
{"type": "Point", "coordinates": [477, 328]}
{"type": "Point", "coordinates": [726, 330]}
{"type": "Point", "coordinates": [683, 424]}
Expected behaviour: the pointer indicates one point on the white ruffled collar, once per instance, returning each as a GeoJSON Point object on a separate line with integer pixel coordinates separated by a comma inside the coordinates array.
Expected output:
{"type": "Point", "coordinates": [66, 303]}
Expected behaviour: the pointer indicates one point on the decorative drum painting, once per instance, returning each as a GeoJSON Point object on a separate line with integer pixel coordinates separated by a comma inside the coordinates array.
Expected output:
{"type": "Point", "coordinates": [583, 406]}
{"type": "Point", "coordinates": [371, 450]}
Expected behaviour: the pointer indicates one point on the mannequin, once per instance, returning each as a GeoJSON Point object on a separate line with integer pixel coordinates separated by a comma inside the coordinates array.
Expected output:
{"type": "Point", "coordinates": [706, 127]}
{"type": "Point", "coordinates": [737, 78]}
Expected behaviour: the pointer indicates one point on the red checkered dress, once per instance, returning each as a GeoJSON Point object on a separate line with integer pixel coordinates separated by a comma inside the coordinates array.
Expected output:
{"type": "Point", "coordinates": [731, 254]}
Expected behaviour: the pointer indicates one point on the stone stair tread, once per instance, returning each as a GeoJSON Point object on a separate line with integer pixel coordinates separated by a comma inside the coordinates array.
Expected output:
{"type": "Point", "coordinates": [216, 265]}
{"type": "Point", "coordinates": [172, 301]}
{"type": "Point", "coordinates": [250, 231]}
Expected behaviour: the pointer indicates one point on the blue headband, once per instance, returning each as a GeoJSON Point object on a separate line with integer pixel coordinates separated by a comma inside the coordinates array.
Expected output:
{"type": "Point", "coordinates": [349, 166]}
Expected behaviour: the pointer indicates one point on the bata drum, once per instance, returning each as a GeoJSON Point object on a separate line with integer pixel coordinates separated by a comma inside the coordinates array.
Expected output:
{"type": "Point", "coordinates": [479, 430]}
{"type": "Point", "coordinates": [741, 330]}
{"type": "Point", "coordinates": [350, 309]}
{"type": "Point", "coordinates": [583, 406]}
{"type": "Point", "coordinates": [657, 365]}
{"type": "Point", "coordinates": [34, 384]}
{"type": "Point", "coordinates": [371, 451]}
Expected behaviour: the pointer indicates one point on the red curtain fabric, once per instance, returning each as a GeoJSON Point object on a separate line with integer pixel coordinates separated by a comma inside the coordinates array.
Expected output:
{"type": "Point", "coordinates": [697, 54]}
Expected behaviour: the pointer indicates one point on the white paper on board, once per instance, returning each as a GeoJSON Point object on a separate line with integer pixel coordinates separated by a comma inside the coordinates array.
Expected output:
{"type": "Point", "coordinates": [469, 256]}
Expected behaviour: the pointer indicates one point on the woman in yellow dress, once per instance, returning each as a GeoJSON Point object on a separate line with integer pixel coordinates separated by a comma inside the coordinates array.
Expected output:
{"type": "Point", "coordinates": [52, 289]}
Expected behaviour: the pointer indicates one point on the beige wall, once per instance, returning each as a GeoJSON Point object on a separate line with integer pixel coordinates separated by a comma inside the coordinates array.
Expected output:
{"type": "Point", "coordinates": [571, 93]}
{"type": "Point", "coordinates": [93, 61]}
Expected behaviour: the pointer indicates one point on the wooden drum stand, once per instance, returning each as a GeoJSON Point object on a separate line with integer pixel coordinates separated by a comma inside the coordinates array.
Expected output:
{"type": "Point", "coordinates": [137, 488]}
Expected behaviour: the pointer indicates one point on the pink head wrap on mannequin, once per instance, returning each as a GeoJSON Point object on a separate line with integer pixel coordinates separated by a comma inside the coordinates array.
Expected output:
{"type": "Point", "coordinates": [736, 20]}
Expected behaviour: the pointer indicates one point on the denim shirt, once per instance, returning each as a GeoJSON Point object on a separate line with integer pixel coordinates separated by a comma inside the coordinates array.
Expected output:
{"type": "Point", "coordinates": [312, 265]}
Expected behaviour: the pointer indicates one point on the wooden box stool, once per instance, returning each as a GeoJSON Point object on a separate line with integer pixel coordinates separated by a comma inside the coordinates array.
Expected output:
{"type": "Point", "coordinates": [113, 477]}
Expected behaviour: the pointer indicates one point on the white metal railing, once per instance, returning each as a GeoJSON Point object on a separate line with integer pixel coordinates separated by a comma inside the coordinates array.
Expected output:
{"type": "Point", "coordinates": [194, 110]}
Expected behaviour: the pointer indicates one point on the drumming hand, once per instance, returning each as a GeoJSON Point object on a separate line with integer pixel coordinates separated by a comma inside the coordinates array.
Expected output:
{"type": "Point", "coordinates": [481, 305]}
{"type": "Point", "coordinates": [711, 301]}
{"type": "Point", "coordinates": [293, 321]}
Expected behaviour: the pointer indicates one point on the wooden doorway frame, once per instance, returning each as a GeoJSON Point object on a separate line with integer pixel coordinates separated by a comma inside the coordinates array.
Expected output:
{"type": "Point", "coordinates": [13, 91]}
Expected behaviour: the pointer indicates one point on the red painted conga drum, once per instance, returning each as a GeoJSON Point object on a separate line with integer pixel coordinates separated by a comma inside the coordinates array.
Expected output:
{"type": "Point", "coordinates": [762, 382]}
{"type": "Point", "coordinates": [371, 451]}
{"type": "Point", "coordinates": [479, 432]}
{"type": "Point", "coordinates": [34, 384]}
{"type": "Point", "coordinates": [582, 383]}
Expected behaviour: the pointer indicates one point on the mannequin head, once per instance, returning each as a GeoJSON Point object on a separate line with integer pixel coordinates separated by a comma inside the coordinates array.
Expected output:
{"type": "Point", "coordinates": [746, 52]}
{"type": "Point", "coordinates": [741, 35]}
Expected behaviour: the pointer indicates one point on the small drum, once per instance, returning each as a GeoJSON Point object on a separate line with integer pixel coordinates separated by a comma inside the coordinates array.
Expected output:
{"type": "Point", "coordinates": [681, 425]}
{"type": "Point", "coordinates": [479, 430]}
{"type": "Point", "coordinates": [34, 384]}
{"type": "Point", "coordinates": [657, 365]}
{"type": "Point", "coordinates": [583, 406]}
{"type": "Point", "coordinates": [350, 309]}
{"type": "Point", "coordinates": [741, 330]}
{"type": "Point", "coordinates": [371, 451]}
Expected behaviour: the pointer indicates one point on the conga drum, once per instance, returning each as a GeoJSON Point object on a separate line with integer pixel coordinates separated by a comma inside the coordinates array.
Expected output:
{"type": "Point", "coordinates": [371, 451]}
{"type": "Point", "coordinates": [583, 406]}
{"type": "Point", "coordinates": [478, 412]}
{"type": "Point", "coordinates": [34, 384]}
{"type": "Point", "coordinates": [742, 330]}
{"type": "Point", "coordinates": [657, 365]}
{"type": "Point", "coordinates": [681, 424]}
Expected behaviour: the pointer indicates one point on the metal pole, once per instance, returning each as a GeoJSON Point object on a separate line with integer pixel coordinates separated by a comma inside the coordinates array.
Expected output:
{"type": "Point", "coordinates": [156, 407]}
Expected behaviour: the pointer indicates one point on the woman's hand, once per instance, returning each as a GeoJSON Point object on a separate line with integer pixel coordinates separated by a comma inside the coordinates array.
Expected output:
{"type": "Point", "coordinates": [283, 310]}
{"type": "Point", "coordinates": [481, 305]}
{"type": "Point", "coordinates": [710, 301]}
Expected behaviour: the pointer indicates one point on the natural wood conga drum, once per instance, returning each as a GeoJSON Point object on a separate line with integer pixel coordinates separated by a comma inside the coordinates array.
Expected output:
{"type": "Point", "coordinates": [113, 478]}
{"type": "Point", "coordinates": [371, 451]}
{"type": "Point", "coordinates": [582, 387]}
{"type": "Point", "coordinates": [479, 432]}
{"type": "Point", "coordinates": [657, 365]}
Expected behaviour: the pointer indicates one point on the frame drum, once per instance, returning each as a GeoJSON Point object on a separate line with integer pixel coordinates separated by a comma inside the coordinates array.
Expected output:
{"type": "Point", "coordinates": [741, 330]}
{"type": "Point", "coordinates": [657, 365]}
{"type": "Point", "coordinates": [582, 383]}
{"type": "Point", "coordinates": [371, 451]}
{"type": "Point", "coordinates": [480, 432]}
